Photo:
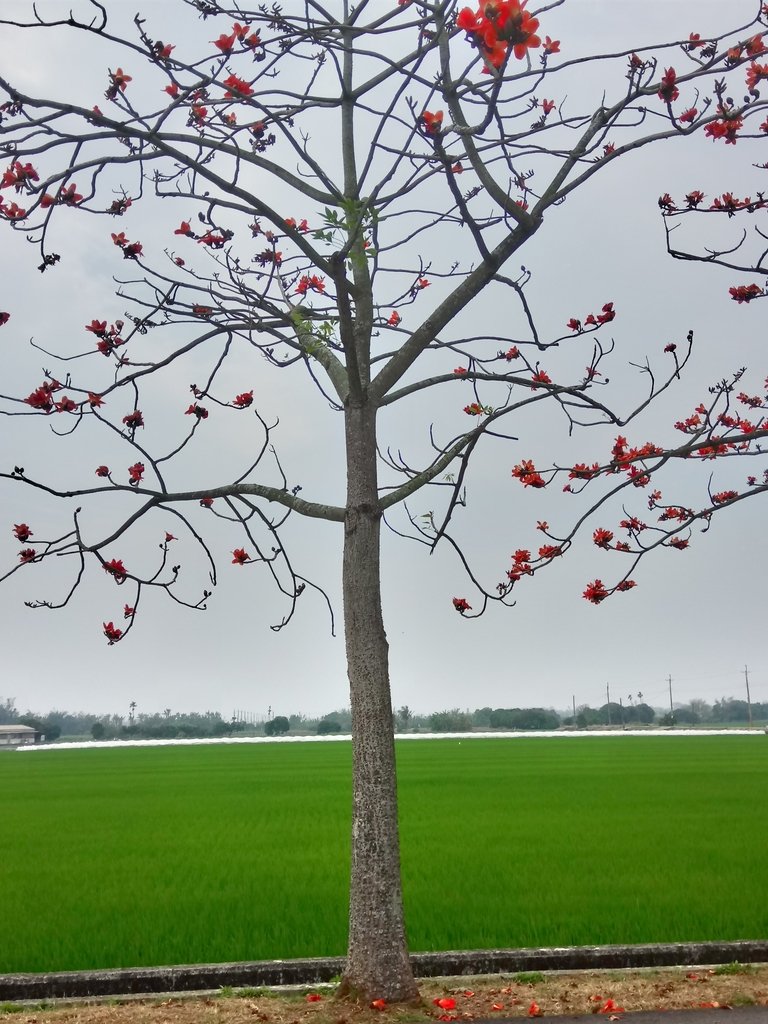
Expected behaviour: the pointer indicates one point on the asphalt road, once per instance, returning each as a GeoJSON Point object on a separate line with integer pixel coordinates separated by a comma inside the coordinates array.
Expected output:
{"type": "Point", "coordinates": [738, 1015]}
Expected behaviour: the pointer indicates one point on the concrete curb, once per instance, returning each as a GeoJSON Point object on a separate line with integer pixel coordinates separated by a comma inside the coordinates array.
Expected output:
{"type": "Point", "coordinates": [200, 977]}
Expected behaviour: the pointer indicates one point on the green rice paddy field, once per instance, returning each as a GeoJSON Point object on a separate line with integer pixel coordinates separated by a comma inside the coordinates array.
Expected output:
{"type": "Point", "coordinates": [139, 856]}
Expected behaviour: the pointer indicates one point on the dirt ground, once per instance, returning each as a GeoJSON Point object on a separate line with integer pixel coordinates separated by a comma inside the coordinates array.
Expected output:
{"type": "Point", "coordinates": [608, 995]}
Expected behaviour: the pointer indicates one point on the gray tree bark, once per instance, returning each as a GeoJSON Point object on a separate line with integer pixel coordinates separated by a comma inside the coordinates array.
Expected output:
{"type": "Point", "coordinates": [377, 961]}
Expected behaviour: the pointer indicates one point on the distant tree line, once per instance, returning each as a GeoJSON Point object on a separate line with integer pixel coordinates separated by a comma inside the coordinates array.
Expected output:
{"type": "Point", "coordinates": [170, 724]}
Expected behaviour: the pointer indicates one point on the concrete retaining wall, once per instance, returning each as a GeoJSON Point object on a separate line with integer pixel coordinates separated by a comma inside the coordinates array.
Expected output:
{"type": "Point", "coordinates": [201, 977]}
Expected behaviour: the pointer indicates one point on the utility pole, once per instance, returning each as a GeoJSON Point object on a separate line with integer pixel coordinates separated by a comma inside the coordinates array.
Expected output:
{"type": "Point", "coordinates": [608, 699]}
{"type": "Point", "coordinates": [671, 705]}
{"type": "Point", "coordinates": [749, 699]}
{"type": "Point", "coordinates": [574, 709]}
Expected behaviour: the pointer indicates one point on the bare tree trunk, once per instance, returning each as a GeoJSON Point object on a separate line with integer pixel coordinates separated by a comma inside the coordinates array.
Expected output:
{"type": "Point", "coordinates": [377, 962]}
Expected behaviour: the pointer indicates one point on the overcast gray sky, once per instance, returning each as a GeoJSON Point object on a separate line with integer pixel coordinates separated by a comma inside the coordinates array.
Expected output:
{"type": "Point", "coordinates": [696, 615]}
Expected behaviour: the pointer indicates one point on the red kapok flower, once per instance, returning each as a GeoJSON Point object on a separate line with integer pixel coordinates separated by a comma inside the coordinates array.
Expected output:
{"type": "Point", "coordinates": [445, 1003]}
{"type": "Point", "coordinates": [197, 410]}
{"type": "Point", "coordinates": [134, 419]}
{"type": "Point", "coordinates": [135, 473]}
{"type": "Point", "coordinates": [668, 90]}
{"type": "Point", "coordinates": [4, 318]}
{"type": "Point", "coordinates": [102, 471]}
{"type": "Point", "coordinates": [206, 502]}
{"type": "Point", "coordinates": [119, 79]}
{"type": "Point", "coordinates": [116, 568]}
{"type": "Point", "coordinates": [432, 123]}
{"type": "Point", "coordinates": [225, 43]}
{"type": "Point", "coordinates": [726, 129]}
{"type": "Point", "coordinates": [244, 400]}
{"type": "Point", "coordinates": [595, 592]}
{"type": "Point", "coordinates": [41, 398]}
{"type": "Point", "coordinates": [237, 87]}
{"type": "Point", "coordinates": [27, 555]}
{"type": "Point", "coordinates": [313, 997]}
{"type": "Point", "coordinates": [534, 1010]}
{"type": "Point", "coordinates": [240, 556]}
{"type": "Point", "coordinates": [128, 611]}
{"type": "Point", "coordinates": [527, 474]}
{"type": "Point", "coordinates": [112, 633]}
{"type": "Point", "coordinates": [378, 1004]}
{"type": "Point", "coordinates": [22, 532]}
{"type": "Point", "coordinates": [602, 537]}
{"type": "Point", "coordinates": [461, 605]}
{"type": "Point", "coordinates": [740, 293]}
{"type": "Point", "coordinates": [394, 318]}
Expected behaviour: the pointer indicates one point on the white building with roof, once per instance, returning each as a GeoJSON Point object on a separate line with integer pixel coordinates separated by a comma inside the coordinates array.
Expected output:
{"type": "Point", "coordinates": [17, 735]}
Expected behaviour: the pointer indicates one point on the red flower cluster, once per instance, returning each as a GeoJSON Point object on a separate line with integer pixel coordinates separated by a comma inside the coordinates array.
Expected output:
{"type": "Point", "coordinates": [727, 128]}
{"type": "Point", "coordinates": [244, 400]}
{"type": "Point", "coordinates": [27, 555]}
{"type": "Point", "coordinates": [197, 410]}
{"type": "Point", "coordinates": [608, 313]}
{"type": "Point", "coordinates": [723, 496]}
{"type": "Point", "coordinates": [477, 409]}
{"type": "Point", "coordinates": [134, 419]}
{"type": "Point", "coordinates": [668, 91]}
{"type": "Point", "coordinates": [527, 474]}
{"type": "Point", "coordinates": [394, 318]}
{"type": "Point", "coordinates": [112, 633]}
{"type": "Point", "coordinates": [431, 123]}
{"type": "Point", "coordinates": [461, 605]}
{"type": "Point", "coordinates": [595, 592]}
{"type": "Point", "coordinates": [12, 212]}
{"type": "Point", "coordinates": [313, 283]}
{"type": "Point", "coordinates": [22, 532]}
{"type": "Point", "coordinates": [520, 565]}
{"type": "Point", "coordinates": [240, 33]}
{"type": "Point", "coordinates": [19, 177]}
{"type": "Point", "coordinates": [602, 538]}
{"type": "Point", "coordinates": [41, 398]}
{"type": "Point", "coordinates": [131, 250]}
{"type": "Point", "coordinates": [118, 83]}
{"type": "Point", "coordinates": [746, 292]}
{"type": "Point", "coordinates": [550, 551]}
{"type": "Point", "coordinates": [135, 473]}
{"type": "Point", "coordinates": [237, 87]}
{"type": "Point", "coordinates": [498, 25]}
{"type": "Point", "coordinates": [116, 568]}
{"type": "Point", "coordinates": [755, 74]}
{"type": "Point", "coordinates": [66, 196]}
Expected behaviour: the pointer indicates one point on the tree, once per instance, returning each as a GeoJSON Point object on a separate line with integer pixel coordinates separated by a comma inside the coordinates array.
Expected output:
{"type": "Point", "coordinates": [328, 727]}
{"type": "Point", "coordinates": [332, 161]}
{"type": "Point", "coordinates": [277, 726]}
{"type": "Point", "coordinates": [403, 718]}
